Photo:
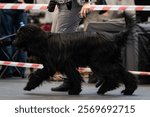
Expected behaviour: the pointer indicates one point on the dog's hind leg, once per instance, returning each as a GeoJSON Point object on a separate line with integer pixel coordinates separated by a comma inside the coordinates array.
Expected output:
{"type": "Point", "coordinates": [109, 83]}
{"type": "Point", "coordinates": [106, 78]}
{"type": "Point", "coordinates": [75, 80]}
{"type": "Point", "coordinates": [130, 83]}
{"type": "Point", "coordinates": [119, 75]}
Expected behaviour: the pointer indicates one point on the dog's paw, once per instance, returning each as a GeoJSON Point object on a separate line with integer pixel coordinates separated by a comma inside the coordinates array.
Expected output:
{"type": "Point", "coordinates": [100, 92]}
{"type": "Point", "coordinates": [127, 92]}
{"type": "Point", "coordinates": [27, 89]}
{"type": "Point", "coordinates": [34, 81]}
{"type": "Point", "coordinates": [30, 86]}
{"type": "Point", "coordinates": [74, 92]}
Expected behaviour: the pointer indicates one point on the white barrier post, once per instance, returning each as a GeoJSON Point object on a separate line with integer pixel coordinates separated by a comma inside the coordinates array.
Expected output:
{"type": "Point", "coordinates": [21, 64]}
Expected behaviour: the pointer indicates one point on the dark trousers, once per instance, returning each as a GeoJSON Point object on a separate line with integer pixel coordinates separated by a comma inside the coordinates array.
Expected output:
{"type": "Point", "coordinates": [10, 22]}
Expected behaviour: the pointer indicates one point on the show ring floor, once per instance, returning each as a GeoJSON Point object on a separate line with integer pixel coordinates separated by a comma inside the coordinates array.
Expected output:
{"type": "Point", "coordinates": [12, 89]}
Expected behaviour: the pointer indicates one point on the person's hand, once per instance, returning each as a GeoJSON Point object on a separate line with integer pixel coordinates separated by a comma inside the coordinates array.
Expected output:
{"type": "Point", "coordinates": [85, 10]}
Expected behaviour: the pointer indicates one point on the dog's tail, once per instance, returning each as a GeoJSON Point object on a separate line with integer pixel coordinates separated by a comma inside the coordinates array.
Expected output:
{"type": "Point", "coordinates": [122, 37]}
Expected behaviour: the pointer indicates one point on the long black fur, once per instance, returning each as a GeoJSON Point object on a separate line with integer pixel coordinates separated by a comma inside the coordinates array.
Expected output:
{"type": "Point", "coordinates": [101, 51]}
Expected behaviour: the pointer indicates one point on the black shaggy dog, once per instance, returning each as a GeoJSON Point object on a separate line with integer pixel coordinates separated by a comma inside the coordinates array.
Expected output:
{"type": "Point", "coordinates": [100, 51]}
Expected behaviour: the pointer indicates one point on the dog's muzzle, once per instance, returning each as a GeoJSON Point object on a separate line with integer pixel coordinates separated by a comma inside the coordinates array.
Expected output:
{"type": "Point", "coordinates": [22, 48]}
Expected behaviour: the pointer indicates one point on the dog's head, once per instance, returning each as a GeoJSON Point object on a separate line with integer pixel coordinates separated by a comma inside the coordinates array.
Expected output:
{"type": "Point", "coordinates": [28, 35]}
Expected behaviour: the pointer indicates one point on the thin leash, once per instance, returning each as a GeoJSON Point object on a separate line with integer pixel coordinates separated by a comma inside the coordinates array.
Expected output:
{"type": "Point", "coordinates": [8, 36]}
{"type": "Point", "coordinates": [12, 35]}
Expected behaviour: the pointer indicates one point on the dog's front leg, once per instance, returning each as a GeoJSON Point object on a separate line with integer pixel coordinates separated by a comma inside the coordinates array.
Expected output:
{"type": "Point", "coordinates": [75, 80]}
{"type": "Point", "coordinates": [36, 78]}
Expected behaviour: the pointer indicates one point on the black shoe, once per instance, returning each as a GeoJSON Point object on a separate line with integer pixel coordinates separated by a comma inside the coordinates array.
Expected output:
{"type": "Point", "coordinates": [63, 87]}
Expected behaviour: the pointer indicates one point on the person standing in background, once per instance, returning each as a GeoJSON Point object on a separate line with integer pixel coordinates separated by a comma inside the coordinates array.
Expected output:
{"type": "Point", "coordinates": [11, 21]}
{"type": "Point", "coordinates": [66, 16]}
{"type": "Point", "coordinates": [66, 19]}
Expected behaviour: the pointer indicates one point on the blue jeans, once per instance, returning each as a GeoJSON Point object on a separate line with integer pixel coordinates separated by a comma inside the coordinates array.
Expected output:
{"type": "Point", "coordinates": [10, 22]}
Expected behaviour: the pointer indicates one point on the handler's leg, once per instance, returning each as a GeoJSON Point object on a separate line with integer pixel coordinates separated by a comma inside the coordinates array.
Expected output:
{"type": "Point", "coordinates": [63, 87]}
{"type": "Point", "coordinates": [74, 78]}
{"type": "Point", "coordinates": [75, 82]}
{"type": "Point", "coordinates": [67, 21]}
